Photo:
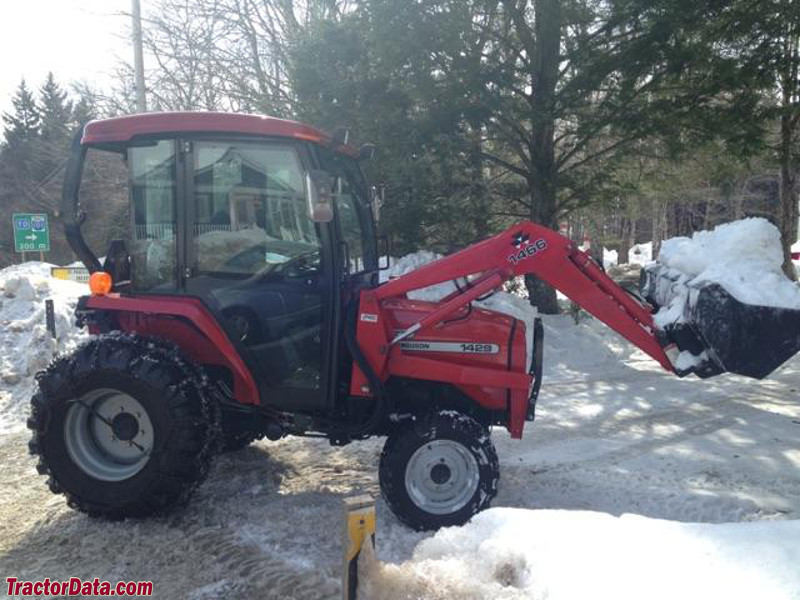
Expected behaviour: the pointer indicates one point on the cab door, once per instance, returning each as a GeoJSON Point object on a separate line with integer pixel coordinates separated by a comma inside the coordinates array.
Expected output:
{"type": "Point", "coordinates": [261, 265]}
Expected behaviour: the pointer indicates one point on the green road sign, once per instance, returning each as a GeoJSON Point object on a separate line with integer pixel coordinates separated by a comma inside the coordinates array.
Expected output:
{"type": "Point", "coordinates": [31, 233]}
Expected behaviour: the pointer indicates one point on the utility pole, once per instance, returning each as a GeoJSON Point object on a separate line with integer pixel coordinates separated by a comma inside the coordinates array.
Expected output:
{"type": "Point", "coordinates": [138, 56]}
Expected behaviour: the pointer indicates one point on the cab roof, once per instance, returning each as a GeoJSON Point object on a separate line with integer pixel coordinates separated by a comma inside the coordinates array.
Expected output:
{"type": "Point", "coordinates": [119, 130]}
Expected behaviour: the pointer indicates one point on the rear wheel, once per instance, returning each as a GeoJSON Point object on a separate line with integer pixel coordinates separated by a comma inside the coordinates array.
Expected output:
{"type": "Point", "coordinates": [123, 427]}
{"type": "Point", "coordinates": [439, 470]}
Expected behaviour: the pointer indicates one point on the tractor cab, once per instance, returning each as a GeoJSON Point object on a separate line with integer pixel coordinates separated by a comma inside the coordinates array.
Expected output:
{"type": "Point", "coordinates": [266, 222]}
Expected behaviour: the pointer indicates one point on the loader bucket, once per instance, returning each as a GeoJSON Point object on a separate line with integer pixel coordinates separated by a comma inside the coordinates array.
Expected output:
{"type": "Point", "coordinates": [745, 339]}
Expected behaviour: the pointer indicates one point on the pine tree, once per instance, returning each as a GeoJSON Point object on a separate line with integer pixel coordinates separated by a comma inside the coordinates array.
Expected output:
{"type": "Point", "coordinates": [83, 112]}
{"type": "Point", "coordinates": [56, 111]}
{"type": "Point", "coordinates": [22, 125]}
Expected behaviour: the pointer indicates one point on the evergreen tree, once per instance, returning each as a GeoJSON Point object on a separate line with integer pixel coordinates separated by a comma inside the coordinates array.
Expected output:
{"type": "Point", "coordinates": [83, 112]}
{"type": "Point", "coordinates": [56, 111]}
{"type": "Point", "coordinates": [23, 123]}
{"type": "Point", "coordinates": [764, 38]}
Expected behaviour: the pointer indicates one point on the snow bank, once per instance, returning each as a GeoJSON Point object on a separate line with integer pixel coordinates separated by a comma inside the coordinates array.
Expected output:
{"type": "Point", "coordinates": [509, 554]}
{"type": "Point", "coordinates": [610, 258]}
{"type": "Point", "coordinates": [26, 344]}
{"type": "Point", "coordinates": [744, 257]}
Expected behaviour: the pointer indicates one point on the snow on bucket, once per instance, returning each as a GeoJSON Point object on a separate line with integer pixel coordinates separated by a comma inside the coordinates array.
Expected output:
{"type": "Point", "coordinates": [724, 300]}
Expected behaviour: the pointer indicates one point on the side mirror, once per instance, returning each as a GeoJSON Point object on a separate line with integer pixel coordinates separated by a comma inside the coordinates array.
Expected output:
{"type": "Point", "coordinates": [319, 196]}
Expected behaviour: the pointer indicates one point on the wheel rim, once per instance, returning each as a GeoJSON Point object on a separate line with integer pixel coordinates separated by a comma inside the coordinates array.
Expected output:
{"type": "Point", "coordinates": [108, 434]}
{"type": "Point", "coordinates": [442, 477]}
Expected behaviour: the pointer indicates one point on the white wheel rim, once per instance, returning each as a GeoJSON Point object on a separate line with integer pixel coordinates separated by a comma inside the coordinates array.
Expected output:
{"type": "Point", "coordinates": [108, 434]}
{"type": "Point", "coordinates": [442, 477]}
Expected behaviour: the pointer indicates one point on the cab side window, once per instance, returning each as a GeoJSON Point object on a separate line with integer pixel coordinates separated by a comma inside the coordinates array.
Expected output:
{"type": "Point", "coordinates": [349, 224]}
{"type": "Point", "coordinates": [153, 247]}
{"type": "Point", "coordinates": [352, 213]}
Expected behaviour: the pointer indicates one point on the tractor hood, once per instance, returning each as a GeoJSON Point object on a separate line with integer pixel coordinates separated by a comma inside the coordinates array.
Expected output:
{"type": "Point", "coordinates": [474, 336]}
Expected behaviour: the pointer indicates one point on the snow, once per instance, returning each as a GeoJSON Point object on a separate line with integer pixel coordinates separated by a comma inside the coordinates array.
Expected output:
{"type": "Point", "coordinates": [26, 344]}
{"type": "Point", "coordinates": [610, 258]}
{"type": "Point", "coordinates": [744, 257]}
{"type": "Point", "coordinates": [509, 553]}
{"type": "Point", "coordinates": [513, 553]}
{"type": "Point", "coordinates": [687, 360]}
{"type": "Point", "coordinates": [641, 254]}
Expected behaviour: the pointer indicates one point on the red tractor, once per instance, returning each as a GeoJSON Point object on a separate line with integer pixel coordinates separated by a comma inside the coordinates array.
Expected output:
{"type": "Point", "coordinates": [245, 302]}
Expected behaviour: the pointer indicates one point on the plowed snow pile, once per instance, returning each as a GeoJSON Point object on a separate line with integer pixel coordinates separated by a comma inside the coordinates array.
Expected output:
{"type": "Point", "coordinates": [26, 344]}
{"type": "Point", "coordinates": [744, 257]}
{"type": "Point", "coordinates": [510, 554]}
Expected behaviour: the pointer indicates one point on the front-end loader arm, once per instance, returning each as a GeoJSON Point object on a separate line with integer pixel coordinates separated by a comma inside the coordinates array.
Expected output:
{"type": "Point", "coordinates": [524, 249]}
{"type": "Point", "coordinates": [528, 248]}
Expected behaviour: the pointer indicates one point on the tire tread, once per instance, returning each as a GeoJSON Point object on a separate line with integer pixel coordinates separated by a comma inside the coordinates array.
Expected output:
{"type": "Point", "coordinates": [187, 399]}
{"type": "Point", "coordinates": [405, 440]}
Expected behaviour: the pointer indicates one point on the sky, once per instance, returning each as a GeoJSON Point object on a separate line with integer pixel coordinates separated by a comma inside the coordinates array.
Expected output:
{"type": "Point", "coordinates": [75, 39]}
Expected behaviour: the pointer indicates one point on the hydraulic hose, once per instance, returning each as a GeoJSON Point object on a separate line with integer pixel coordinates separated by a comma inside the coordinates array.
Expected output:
{"type": "Point", "coordinates": [374, 381]}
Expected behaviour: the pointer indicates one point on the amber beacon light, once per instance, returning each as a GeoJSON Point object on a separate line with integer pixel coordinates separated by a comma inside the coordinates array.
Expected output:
{"type": "Point", "coordinates": [100, 283]}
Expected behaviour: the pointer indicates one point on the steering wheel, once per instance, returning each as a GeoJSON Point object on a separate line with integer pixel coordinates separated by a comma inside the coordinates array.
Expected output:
{"type": "Point", "coordinates": [300, 265]}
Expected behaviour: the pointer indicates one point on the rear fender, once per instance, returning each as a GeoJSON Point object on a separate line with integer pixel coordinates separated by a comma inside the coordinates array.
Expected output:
{"type": "Point", "coordinates": [184, 321]}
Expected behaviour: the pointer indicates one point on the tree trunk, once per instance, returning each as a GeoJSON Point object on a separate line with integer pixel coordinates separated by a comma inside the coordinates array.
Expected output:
{"type": "Point", "coordinates": [543, 181]}
{"type": "Point", "coordinates": [627, 239]}
{"type": "Point", "coordinates": [659, 217]}
{"type": "Point", "coordinates": [788, 212]}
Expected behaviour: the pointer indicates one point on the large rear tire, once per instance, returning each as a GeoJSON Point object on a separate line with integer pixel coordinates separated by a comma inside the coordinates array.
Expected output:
{"type": "Point", "coordinates": [124, 427]}
{"type": "Point", "coordinates": [439, 470]}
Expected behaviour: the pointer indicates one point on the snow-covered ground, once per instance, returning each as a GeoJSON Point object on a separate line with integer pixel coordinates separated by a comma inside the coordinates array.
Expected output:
{"type": "Point", "coordinates": [614, 435]}
{"type": "Point", "coordinates": [25, 344]}
{"type": "Point", "coordinates": [513, 553]}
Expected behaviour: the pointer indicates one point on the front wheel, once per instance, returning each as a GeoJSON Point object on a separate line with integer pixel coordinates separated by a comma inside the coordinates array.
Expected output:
{"type": "Point", "coordinates": [439, 470]}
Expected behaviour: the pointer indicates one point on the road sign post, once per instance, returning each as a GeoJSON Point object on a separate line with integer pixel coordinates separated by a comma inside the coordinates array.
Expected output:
{"type": "Point", "coordinates": [31, 233]}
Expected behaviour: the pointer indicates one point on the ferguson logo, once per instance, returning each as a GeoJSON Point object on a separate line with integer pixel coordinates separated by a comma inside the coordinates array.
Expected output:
{"type": "Point", "coordinates": [525, 247]}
